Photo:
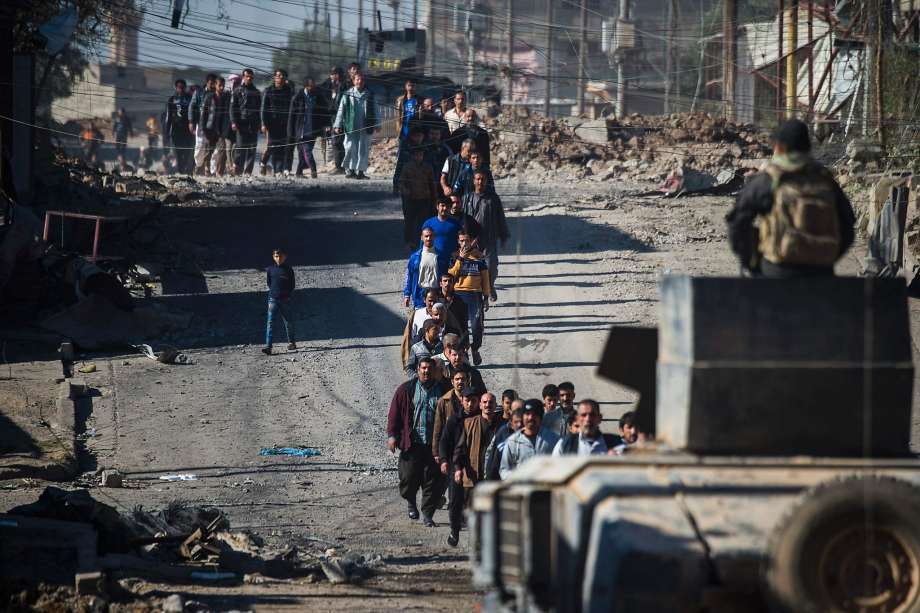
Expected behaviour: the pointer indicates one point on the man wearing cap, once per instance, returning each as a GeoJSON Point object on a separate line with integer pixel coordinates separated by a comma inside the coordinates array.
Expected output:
{"type": "Point", "coordinates": [410, 424]}
{"type": "Point", "coordinates": [529, 441]}
{"type": "Point", "coordinates": [450, 441]}
{"type": "Point", "coordinates": [425, 348]}
{"type": "Point", "coordinates": [805, 222]}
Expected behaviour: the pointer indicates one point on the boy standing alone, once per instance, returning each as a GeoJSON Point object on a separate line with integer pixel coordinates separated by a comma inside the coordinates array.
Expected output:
{"type": "Point", "coordinates": [280, 279]}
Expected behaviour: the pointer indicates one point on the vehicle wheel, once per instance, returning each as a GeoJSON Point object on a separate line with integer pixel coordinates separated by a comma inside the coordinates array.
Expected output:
{"type": "Point", "coordinates": [849, 545]}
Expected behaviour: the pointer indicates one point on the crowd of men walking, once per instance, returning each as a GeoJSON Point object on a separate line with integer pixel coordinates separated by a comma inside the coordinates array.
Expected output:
{"type": "Point", "coordinates": [213, 129]}
{"type": "Point", "coordinates": [449, 429]}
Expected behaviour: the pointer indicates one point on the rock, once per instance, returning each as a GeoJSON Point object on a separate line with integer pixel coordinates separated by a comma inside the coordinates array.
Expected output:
{"type": "Point", "coordinates": [633, 143]}
{"type": "Point", "coordinates": [173, 604]}
{"type": "Point", "coordinates": [168, 198]}
{"type": "Point", "coordinates": [679, 135]}
{"type": "Point", "coordinates": [111, 478]}
{"type": "Point", "coordinates": [334, 571]}
{"type": "Point", "coordinates": [594, 131]}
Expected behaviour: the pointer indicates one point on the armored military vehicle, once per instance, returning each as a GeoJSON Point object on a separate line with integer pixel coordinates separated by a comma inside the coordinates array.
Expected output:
{"type": "Point", "coordinates": [781, 476]}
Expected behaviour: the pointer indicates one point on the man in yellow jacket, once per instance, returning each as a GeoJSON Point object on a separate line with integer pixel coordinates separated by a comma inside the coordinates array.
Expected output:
{"type": "Point", "coordinates": [471, 271]}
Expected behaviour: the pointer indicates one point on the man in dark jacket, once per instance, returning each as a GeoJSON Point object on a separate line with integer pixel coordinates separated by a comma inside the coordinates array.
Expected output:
{"type": "Point", "coordinates": [276, 106]}
{"type": "Point", "coordinates": [176, 128]}
{"type": "Point", "coordinates": [805, 220]}
{"type": "Point", "coordinates": [425, 348]}
{"type": "Point", "coordinates": [305, 122]}
{"type": "Point", "coordinates": [451, 439]}
{"type": "Point", "coordinates": [471, 130]}
{"type": "Point", "coordinates": [589, 440]}
{"type": "Point", "coordinates": [409, 428]}
{"type": "Point", "coordinates": [245, 106]}
{"type": "Point", "coordinates": [217, 127]}
{"type": "Point", "coordinates": [280, 281]}
{"type": "Point", "coordinates": [205, 140]}
{"type": "Point", "coordinates": [470, 456]}
{"type": "Point", "coordinates": [487, 210]}
{"type": "Point", "coordinates": [332, 91]}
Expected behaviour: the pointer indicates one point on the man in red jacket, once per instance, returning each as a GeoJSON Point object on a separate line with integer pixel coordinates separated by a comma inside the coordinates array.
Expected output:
{"type": "Point", "coordinates": [410, 426]}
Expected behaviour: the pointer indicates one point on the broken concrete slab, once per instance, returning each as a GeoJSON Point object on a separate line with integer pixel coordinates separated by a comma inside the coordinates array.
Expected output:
{"type": "Point", "coordinates": [37, 421]}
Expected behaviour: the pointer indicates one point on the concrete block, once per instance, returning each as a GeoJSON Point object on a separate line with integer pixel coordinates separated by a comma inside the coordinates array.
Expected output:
{"type": "Point", "coordinates": [785, 367]}
{"type": "Point", "coordinates": [90, 584]}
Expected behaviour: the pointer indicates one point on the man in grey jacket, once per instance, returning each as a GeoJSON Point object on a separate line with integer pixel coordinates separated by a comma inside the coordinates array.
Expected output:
{"type": "Point", "coordinates": [529, 441]}
{"type": "Point", "coordinates": [425, 348]}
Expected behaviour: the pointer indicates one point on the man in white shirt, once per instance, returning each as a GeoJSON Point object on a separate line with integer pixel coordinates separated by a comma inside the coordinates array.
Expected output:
{"type": "Point", "coordinates": [454, 117]}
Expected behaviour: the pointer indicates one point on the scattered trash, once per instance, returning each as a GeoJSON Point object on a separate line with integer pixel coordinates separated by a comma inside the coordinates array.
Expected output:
{"type": "Point", "coordinates": [111, 478]}
{"type": "Point", "coordinates": [303, 452]}
{"type": "Point", "coordinates": [87, 368]}
{"type": "Point", "coordinates": [179, 477]}
{"type": "Point", "coordinates": [169, 355]}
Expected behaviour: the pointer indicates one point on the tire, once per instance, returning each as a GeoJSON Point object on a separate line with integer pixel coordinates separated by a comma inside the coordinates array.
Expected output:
{"type": "Point", "coordinates": [849, 545]}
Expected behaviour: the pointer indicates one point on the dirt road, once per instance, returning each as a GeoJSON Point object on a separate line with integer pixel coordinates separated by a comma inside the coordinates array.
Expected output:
{"type": "Point", "coordinates": [582, 257]}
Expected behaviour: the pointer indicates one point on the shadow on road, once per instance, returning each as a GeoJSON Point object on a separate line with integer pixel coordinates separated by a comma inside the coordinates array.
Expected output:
{"type": "Point", "coordinates": [319, 314]}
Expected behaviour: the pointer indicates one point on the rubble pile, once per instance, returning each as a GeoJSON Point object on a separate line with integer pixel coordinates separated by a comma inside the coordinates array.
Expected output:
{"type": "Point", "coordinates": [85, 211]}
{"type": "Point", "coordinates": [186, 543]}
{"type": "Point", "coordinates": [640, 147]}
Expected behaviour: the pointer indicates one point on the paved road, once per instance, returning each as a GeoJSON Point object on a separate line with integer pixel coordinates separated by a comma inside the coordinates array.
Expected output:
{"type": "Point", "coordinates": [575, 267]}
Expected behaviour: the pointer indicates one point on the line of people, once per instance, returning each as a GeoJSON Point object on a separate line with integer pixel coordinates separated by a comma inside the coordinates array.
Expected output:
{"type": "Point", "coordinates": [451, 432]}
{"type": "Point", "coordinates": [214, 129]}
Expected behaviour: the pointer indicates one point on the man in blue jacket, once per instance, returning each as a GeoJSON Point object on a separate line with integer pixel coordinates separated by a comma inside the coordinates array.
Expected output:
{"type": "Point", "coordinates": [423, 271]}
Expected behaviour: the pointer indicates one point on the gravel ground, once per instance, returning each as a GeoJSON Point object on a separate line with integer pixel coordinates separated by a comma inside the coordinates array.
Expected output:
{"type": "Point", "coordinates": [582, 257]}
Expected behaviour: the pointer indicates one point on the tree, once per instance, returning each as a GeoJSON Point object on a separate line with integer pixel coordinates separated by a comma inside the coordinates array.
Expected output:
{"type": "Point", "coordinates": [57, 71]}
{"type": "Point", "coordinates": [312, 51]}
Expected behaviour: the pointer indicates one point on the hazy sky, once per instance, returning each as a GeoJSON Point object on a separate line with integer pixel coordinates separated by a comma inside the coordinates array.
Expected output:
{"type": "Point", "coordinates": [259, 22]}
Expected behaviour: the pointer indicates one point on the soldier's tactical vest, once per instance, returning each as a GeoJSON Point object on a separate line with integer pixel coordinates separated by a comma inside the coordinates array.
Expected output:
{"type": "Point", "coordinates": [803, 227]}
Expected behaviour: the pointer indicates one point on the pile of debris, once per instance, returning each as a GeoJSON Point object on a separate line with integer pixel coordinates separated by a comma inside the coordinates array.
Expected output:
{"type": "Point", "coordinates": [96, 543]}
{"type": "Point", "coordinates": [641, 147]}
{"type": "Point", "coordinates": [77, 271]}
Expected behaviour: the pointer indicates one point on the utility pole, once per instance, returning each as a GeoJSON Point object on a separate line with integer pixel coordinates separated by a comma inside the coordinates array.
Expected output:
{"type": "Point", "coordinates": [729, 55]}
{"type": "Point", "coordinates": [582, 56]}
{"type": "Point", "coordinates": [510, 31]}
{"type": "Point", "coordinates": [360, 17]}
{"type": "Point", "coordinates": [430, 49]}
{"type": "Point", "coordinates": [792, 35]}
{"type": "Point", "coordinates": [415, 13]}
{"type": "Point", "coordinates": [339, 33]}
{"type": "Point", "coordinates": [470, 46]}
{"type": "Point", "coordinates": [669, 55]}
{"type": "Point", "coordinates": [549, 58]}
{"type": "Point", "coordinates": [882, 32]}
{"type": "Point", "coordinates": [374, 12]}
{"type": "Point", "coordinates": [621, 62]}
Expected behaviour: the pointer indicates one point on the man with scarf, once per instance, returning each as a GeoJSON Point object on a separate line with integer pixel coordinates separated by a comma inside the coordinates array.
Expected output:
{"type": "Point", "coordinates": [276, 104]}
{"type": "Point", "coordinates": [805, 222]}
{"type": "Point", "coordinates": [410, 425]}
